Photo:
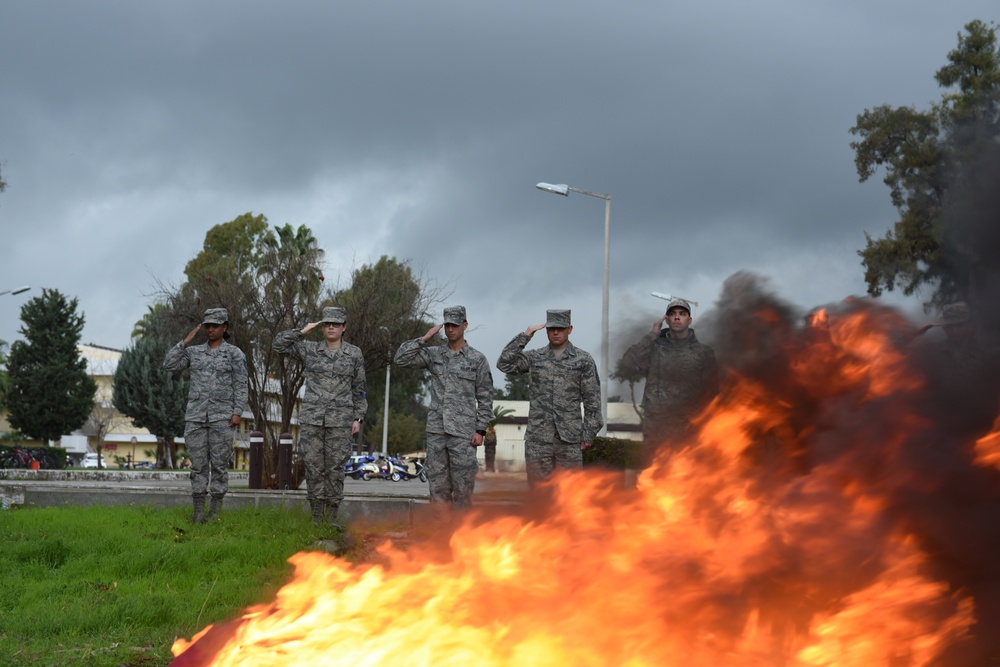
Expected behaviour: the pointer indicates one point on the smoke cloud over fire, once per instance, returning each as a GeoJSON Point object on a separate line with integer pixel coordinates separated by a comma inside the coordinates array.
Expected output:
{"type": "Point", "coordinates": [837, 505]}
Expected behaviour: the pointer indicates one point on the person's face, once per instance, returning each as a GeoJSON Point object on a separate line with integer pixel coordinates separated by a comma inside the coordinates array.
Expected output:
{"type": "Point", "coordinates": [214, 331]}
{"type": "Point", "coordinates": [333, 331]}
{"type": "Point", "coordinates": [455, 332]}
{"type": "Point", "coordinates": [678, 319]}
{"type": "Point", "coordinates": [558, 336]}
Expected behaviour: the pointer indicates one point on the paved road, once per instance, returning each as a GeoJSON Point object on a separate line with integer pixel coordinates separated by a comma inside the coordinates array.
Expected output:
{"type": "Point", "coordinates": [372, 500]}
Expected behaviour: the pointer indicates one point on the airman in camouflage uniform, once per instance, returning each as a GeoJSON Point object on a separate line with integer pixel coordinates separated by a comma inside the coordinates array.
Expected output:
{"type": "Point", "coordinates": [682, 377]}
{"type": "Point", "coordinates": [332, 408]}
{"type": "Point", "coordinates": [490, 449]}
{"type": "Point", "coordinates": [217, 397]}
{"type": "Point", "coordinates": [562, 376]}
{"type": "Point", "coordinates": [461, 407]}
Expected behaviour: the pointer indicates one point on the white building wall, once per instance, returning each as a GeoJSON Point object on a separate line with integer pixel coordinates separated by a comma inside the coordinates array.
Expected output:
{"type": "Point", "coordinates": [623, 419]}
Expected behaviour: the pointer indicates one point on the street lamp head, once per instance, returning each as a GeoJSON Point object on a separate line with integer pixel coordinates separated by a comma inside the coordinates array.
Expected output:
{"type": "Point", "coordinates": [561, 189]}
{"type": "Point", "coordinates": [16, 290]}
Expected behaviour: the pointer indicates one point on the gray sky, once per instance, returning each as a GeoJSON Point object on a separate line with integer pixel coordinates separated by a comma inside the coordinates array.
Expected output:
{"type": "Point", "coordinates": [419, 129]}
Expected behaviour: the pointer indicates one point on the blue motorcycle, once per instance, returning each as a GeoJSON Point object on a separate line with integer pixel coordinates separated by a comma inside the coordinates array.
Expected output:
{"type": "Point", "coordinates": [357, 465]}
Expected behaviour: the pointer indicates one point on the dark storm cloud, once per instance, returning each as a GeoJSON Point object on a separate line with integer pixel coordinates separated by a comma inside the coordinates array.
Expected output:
{"type": "Point", "coordinates": [419, 130]}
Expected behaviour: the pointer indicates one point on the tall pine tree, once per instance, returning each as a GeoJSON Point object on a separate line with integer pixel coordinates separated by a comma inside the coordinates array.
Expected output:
{"type": "Point", "coordinates": [51, 393]}
{"type": "Point", "coordinates": [941, 166]}
{"type": "Point", "coordinates": [153, 398]}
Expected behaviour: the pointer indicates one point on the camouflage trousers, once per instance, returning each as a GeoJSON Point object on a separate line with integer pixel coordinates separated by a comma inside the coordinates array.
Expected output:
{"type": "Point", "coordinates": [542, 458]}
{"type": "Point", "coordinates": [325, 451]}
{"type": "Point", "coordinates": [210, 447]}
{"type": "Point", "coordinates": [451, 469]}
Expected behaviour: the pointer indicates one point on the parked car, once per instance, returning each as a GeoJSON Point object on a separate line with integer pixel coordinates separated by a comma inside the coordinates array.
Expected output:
{"type": "Point", "coordinates": [90, 461]}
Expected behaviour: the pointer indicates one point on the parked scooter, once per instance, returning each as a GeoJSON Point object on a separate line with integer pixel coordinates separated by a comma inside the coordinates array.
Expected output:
{"type": "Point", "coordinates": [420, 473]}
{"type": "Point", "coordinates": [382, 468]}
{"type": "Point", "coordinates": [356, 467]}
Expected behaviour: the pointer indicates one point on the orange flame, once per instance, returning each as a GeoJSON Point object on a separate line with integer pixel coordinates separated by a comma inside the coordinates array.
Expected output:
{"type": "Point", "coordinates": [987, 449]}
{"type": "Point", "coordinates": [738, 550]}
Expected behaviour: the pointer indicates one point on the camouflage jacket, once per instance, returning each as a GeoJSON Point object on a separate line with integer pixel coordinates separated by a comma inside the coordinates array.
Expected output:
{"type": "Point", "coordinates": [681, 374]}
{"type": "Point", "coordinates": [335, 380]}
{"type": "Point", "coordinates": [461, 386]}
{"type": "Point", "coordinates": [218, 387]}
{"type": "Point", "coordinates": [558, 386]}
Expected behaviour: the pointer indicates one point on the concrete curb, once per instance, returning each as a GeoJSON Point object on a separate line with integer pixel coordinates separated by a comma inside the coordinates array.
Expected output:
{"type": "Point", "coordinates": [105, 475]}
{"type": "Point", "coordinates": [354, 508]}
{"type": "Point", "coordinates": [166, 489]}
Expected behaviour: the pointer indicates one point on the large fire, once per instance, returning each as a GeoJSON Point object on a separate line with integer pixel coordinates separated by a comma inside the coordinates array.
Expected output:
{"type": "Point", "coordinates": [816, 519]}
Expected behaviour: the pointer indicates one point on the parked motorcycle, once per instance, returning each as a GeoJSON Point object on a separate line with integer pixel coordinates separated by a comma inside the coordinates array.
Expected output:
{"type": "Point", "coordinates": [419, 472]}
{"type": "Point", "coordinates": [382, 468]}
{"type": "Point", "coordinates": [356, 466]}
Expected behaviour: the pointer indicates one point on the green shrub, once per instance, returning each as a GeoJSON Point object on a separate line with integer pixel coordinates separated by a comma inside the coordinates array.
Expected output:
{"type": "Point", "coordinates": [614, 453]}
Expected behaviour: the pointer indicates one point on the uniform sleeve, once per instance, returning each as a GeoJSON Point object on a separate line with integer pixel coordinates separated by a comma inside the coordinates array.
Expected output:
{"type": "Point", "coordinates": [591, 391]}
{"type": "Point", "coordinates": [411, 354]}
{"type": "Point", "coordinates": [358, 388]}
{"type": "Point", "coordinates": [512, 359]}
{"type": "Point", "coordinates": [484, 395]}
{"type": "Point", "coordinates": [177, 358]}
{"type": "Point", "coordinates": [240, 382]}
{"type": "Point", "coordinates": [635, 361]}
{"type": "Point", "coordinates": [290, 343]}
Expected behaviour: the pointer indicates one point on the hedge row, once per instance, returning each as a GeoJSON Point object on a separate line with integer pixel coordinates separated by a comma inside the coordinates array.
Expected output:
{"type": "Point", "coordinates": [614, 453]}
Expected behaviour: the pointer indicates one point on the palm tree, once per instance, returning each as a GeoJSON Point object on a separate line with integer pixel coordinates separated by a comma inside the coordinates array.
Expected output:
{"type": "Point", "coordinates": [499, 413]}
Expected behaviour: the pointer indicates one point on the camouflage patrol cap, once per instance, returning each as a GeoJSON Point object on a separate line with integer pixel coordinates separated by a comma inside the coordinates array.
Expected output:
{"type": "Point", "coordinates": [334, 314]}
{"type": "Point", "coordinates": [557, 319]}
{"type": "Point", "coordinates": [215, 316]}
{"type": "Point", "coordinates": [679, 303]}
{"type": "Point", "coordinates": [454, 315]}
{"type": "Point", "coordinates": [956, 313]}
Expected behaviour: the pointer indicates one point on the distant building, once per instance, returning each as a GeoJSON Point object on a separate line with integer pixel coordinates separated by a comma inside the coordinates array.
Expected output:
{"type": "Point", "coordinates": [7, 432]}
{"type": "Point", "coordinates": [122, 440]}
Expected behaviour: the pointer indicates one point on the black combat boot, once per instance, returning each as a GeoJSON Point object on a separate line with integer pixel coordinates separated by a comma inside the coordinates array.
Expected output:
{"type": "Point", "coordinates": [214, 508]}
{"type": "Point", "coordinates": [199, 509]}
{"type": "Point", "coordinates": [318, 510]}
{"type": "Point", "coordinates": [334, 509]}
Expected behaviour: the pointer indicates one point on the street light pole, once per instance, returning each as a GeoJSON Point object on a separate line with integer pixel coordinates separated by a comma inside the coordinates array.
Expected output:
{"type": "Point", "coordinates": [564, 190]}
{"type": "Point", "coordinates": [385, 406]}
{"type": "Point", "coordinates": [16, 290]}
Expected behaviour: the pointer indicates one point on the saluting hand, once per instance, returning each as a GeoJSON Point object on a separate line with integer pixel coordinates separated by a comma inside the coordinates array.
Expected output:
{"type": "Point", "coordinates": [659, 323]}
{"type": "Point", "coordinates": [308, 329]}
{"type": "Point", "coordinates": [431, 332]}
{"type": "Point", "coordinates": [530, 331]}
{"type": "Point", "coordinates": [190, 337]}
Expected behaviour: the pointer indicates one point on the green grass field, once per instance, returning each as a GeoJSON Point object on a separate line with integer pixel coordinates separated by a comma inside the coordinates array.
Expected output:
{"type": "Point", "coordinates": [114, 586]}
